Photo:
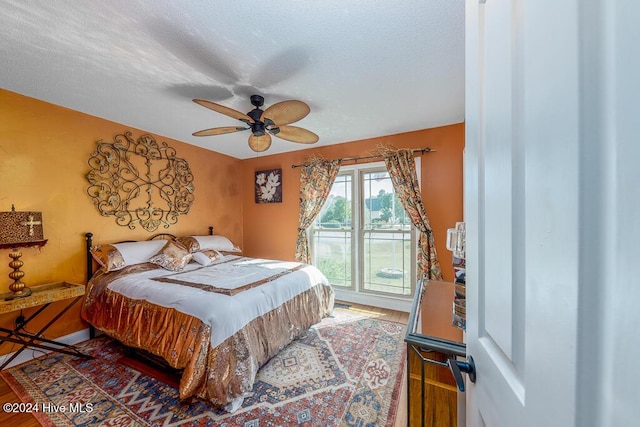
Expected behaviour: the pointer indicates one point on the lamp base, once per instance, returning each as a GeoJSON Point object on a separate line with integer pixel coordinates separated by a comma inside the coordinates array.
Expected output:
{"type": "Point", "coordinates": [17, 288]}
{"type": "Point", "coordinates": [24, 292]}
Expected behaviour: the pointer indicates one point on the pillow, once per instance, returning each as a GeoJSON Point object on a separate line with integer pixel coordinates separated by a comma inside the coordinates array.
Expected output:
{"type": "Point", "coordinates": [139, 252]}
{"type": "Point", "coordinates": [173, 256]}
{"type": "Point", "coordinates": [190, 243]}
{"type": "Point", "coordinates": [218, 243]}
{"type": "Point", "coordinates": [117, 256]}
{"type": "Point", "coordinates": [109, 257]}
{"type": "Point", "coordinates": [207, 257]}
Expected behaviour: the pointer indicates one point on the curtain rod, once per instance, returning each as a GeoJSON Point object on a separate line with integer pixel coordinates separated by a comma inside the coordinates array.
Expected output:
{"type": "Point", "coordinates": [348, 159]}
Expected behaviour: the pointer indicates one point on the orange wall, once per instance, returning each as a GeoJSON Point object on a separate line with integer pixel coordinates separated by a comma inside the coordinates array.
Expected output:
{"type": "Point", "coordinates": [43, 161]}
{"type": "Point", "coordinates": [270, 230]}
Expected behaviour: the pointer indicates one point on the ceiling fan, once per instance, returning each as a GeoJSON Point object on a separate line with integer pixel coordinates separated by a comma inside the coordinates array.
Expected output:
{"type": "Point", "coordinates": [274, 120]}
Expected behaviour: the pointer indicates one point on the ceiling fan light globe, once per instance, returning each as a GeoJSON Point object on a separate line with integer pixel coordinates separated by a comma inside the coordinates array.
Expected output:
{"type": "Point", "coordinates": [260, 143]}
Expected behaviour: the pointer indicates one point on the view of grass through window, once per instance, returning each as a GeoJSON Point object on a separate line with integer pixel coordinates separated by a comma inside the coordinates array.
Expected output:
{"type": "Point", "coordinates": [363, 224]}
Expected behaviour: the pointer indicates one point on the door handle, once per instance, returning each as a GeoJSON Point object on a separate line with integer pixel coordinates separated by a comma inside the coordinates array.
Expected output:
{"type": "Point", "coordinates": [457, 368]}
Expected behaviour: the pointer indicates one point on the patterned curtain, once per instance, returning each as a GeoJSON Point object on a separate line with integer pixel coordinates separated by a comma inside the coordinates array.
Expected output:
{"type": "Point", "coordinates": [316, 179]}
{"type": "Point", "coordinates": [402, 169]}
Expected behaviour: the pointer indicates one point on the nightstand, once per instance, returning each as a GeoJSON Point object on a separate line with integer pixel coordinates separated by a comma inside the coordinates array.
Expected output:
{"type": "Point", "coordinates": [42, 295]}
{"type": "Point", "coordinates": [432, 341]}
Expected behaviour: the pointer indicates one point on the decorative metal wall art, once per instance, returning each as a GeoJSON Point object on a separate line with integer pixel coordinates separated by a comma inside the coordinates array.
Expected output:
{"type": "Point", "coordinates": [140, 182]}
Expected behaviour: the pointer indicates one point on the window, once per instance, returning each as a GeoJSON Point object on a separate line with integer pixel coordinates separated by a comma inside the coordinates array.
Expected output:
{"type": "Point", "coordinates": [362, 240]}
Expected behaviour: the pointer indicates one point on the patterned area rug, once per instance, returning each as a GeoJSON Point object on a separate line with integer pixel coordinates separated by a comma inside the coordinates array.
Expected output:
{"type": "Point", "coordinates": [346, 371]}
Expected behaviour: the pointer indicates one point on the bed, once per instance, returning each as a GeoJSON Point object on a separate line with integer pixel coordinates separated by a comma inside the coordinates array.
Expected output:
{"type": "Point", "coordinates": [203, 308]}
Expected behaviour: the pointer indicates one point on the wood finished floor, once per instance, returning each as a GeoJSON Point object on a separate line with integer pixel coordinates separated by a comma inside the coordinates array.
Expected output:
{"type": "Point", "coordinates": [28, 420]}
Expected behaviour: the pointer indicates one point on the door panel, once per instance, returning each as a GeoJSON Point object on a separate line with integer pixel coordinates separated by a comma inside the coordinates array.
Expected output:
{"type": "Point", "coordinates": [551, 206]}
{"type": "Point", "coordinates": [521, 210]}
{"type": "Point", "coordinates": [494, 215]}
{"type": "Point", "coordinates": [497, 185]}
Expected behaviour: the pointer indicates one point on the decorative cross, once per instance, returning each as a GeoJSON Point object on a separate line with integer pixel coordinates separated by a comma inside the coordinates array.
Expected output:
{"type": "Point", "coordinates": [31, 223]}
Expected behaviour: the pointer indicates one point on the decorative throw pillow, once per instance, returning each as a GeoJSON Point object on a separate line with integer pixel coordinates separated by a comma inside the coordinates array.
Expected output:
{"type": "Point", "coordinates": [109, 257]}
{"type": "Point", "coordinates": [173, 256]}
{"type": "Point", "coordinates": [190, 243]}
{"type": "Point", "coordinates": [206, 257]}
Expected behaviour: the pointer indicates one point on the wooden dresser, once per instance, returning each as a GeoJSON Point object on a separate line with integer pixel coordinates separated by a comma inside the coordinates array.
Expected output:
{"type": "Point", "coordinates": [431, 340]}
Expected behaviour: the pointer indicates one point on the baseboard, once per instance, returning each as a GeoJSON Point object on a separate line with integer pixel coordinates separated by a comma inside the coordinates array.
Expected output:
{"type": "Point", "coordinates": [391, 303]}
{"type": "Point", "coordinates": [32, 353]}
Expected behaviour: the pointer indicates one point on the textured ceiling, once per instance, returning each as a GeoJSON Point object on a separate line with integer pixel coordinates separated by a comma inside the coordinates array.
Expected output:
{"type": "Point", "coordinates": [366, 68]}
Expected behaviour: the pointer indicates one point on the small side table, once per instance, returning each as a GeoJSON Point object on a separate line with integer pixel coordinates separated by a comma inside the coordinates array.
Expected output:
{"type": "Point", "coordinates": [431, 341]}
{"type": "Point", "coordinates": [42, 295]}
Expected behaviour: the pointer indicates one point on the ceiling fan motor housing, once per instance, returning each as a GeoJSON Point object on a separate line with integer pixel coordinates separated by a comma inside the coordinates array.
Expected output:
{"type": "Point", "coordinates": [257, 100]}
{"type": "Point", "coordinates": [257, 128]}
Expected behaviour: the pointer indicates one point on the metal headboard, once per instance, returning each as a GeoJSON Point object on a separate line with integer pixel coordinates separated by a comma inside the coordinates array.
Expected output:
{"type": "Point", "coordinates": [89, 245]}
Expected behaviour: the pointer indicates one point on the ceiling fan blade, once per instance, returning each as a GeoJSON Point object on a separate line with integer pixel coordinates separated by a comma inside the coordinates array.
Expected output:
{"type": "Point", "coordinates": [285, 112]}
{"type": "Point", "coordinates": [218, 131]}
{"type": "Point", "coordinates": [260, 143]}
{"type": "Point", "coordinates": [224, 110]}
{"type": "Point", "coordinates": [295, 134]}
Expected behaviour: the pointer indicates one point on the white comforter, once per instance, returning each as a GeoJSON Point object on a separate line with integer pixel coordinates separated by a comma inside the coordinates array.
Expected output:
{"type": "Point", "coordinates": [225, 314]}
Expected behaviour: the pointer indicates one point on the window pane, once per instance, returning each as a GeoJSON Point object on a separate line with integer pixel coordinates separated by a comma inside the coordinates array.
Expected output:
{"type": "Point", "coordinates": [332, 253]}
{"type": "Point", "coordinates": [381, 207]}
{"type": "Point", "coordinates": [332, 235]}
{"type": "Point", "coordinates": [367, 218]}
{"type": "Point", "coordinates": [336, 212]}
{"type": "Point", "coordinates": [387, 262]}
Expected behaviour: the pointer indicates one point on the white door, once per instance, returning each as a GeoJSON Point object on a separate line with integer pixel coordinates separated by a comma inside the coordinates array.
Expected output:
{"type": "Point", "coordinates": [552, 206]}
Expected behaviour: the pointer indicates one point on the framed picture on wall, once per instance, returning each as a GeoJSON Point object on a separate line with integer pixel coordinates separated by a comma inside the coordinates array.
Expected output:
{"type": "Point", "coordinates": [269, 186]}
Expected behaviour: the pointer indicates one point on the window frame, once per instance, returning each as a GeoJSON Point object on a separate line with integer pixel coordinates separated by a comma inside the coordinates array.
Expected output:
{"type": "Point", "coordinates": [358, 232]}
